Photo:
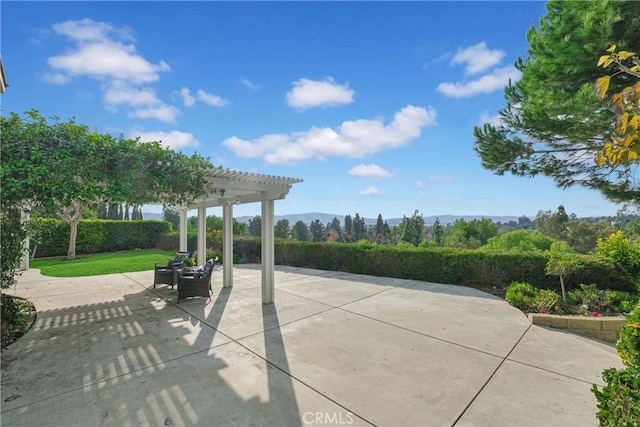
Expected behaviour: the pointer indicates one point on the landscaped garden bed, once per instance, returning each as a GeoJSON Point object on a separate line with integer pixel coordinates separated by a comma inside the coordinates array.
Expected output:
{"type": "Point", "coordinates": [17, 317]}
{"type": "Point", "coordinates": [586, 300]}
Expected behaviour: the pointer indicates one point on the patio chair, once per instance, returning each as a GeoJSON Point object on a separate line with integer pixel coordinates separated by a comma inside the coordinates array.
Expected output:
{"type": "Point", "coordinates": [195, 283]}
{"type": "Point", "coordinates": [167, 274]}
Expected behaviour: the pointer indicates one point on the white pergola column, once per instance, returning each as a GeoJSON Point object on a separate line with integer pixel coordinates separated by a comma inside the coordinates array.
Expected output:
{"type": "Point", "coordinates": [227, 245]}
{"type": "Point", "coordinates": [202, 236]}
{"type": "Point", "coordinates": [267, 249]}
{"type": "Point", "coordinates": [183, 229]}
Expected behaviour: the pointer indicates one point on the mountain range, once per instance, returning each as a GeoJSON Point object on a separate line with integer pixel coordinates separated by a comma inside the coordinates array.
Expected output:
{"type": "Point", "coordinates": [325, 218]}
{"type": "Point", "coordinates": [429, 220]}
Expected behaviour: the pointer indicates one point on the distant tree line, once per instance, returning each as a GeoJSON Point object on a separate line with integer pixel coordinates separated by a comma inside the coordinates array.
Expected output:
{"type": "Point", "coordinates": [578, 235]}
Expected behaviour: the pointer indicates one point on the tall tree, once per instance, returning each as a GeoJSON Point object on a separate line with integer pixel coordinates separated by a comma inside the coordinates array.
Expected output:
{"type": "Point", "coordinates": [471, 235]}
{"type": "Point", "coordinates": [282, 229]}
{"type": "Point", "coordinates": [348, 229]}
{"type": "Point", "coordinates": [553, 123]}
{"type": "Point", "coordinates": [525, 223]}
{"type": "Point", "coordinates": [137, 213]}
{"type": "Point", "coordinates": [214, 223]}
{"type": "Point", "coordinates": [381, 235]}
{"type": "Point", "coordinates": [300, 231]}
{"type": "Point", "coordinates": [359, 228]}
{"type": "Point", "coordinates": [335, 226]}
{"type": "Point", "coordinates": [255, 226]}
{"type": "Point", "coordinates": [102, 210]}
{"type": "Point", "coordinates": [172, 215]}
{"type": "Point", "coordinates": [413, 229]}
{"type": "Point", "coordinates": [317, 231]}
{"type": "Point", "coordinates": [583, 235]}
{"type": "Point", "coordinates": [553, 224]}
{"type": "Point", "coordinates": [239, 228]}
{"type": "Point", "coordinates": [437, 232]}
{"type": "Point", "coordinates": [62, 166]}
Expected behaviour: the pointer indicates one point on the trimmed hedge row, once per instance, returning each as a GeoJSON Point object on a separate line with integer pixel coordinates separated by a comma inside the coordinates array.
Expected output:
{"type": "Point", "coordinates": [171, 241]}
{"type": "Point", "coordinates": [52, 235]}
{"type": "Point", "coordinates": [471, 268]}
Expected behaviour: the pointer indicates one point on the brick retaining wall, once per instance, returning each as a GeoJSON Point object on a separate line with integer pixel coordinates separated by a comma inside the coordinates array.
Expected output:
{"type": "Point", "coordinates": [603, 328]}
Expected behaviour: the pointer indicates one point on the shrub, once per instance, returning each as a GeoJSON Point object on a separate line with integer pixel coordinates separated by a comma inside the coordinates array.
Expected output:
{"type": "Point", "coordinates": [629, 343]}
{"type": "Point", "coordinates": [562, 247]}
{"type": "Point", "coordinates": [12, 234]}
{"type": "Point", "coordinates": [590, 299]}
{"type": "Point", "coordinates": [619, 400]}
{"type": "Point", "coordinates": [529, 299]}
{"type": "Point", "coordinates": [520, 241]}
{"type": "Point", "coordinates": [547, 301]}
{"type": "Point", "coordinates": [620, 249]}
{"type": "Point", "coordinates": [521, 295]}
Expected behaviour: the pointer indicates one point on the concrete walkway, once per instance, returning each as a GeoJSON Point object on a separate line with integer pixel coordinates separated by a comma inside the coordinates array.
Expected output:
{"type": "Point", "coordinates": [335, 349]}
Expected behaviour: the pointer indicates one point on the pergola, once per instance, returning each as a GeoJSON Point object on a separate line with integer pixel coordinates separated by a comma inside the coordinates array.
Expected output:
{"type": "Point", "coordinates": [228, 187]}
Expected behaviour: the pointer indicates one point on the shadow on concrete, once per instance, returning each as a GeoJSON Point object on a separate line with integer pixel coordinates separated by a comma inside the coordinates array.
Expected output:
{"type": "Point", "coordinates": [144, 360]}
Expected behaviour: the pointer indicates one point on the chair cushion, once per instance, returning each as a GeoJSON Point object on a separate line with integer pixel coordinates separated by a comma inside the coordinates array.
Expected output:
{"type": "Point", "coordinates": [208, 268]}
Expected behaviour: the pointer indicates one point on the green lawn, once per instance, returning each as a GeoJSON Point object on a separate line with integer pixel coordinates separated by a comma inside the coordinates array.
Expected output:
{"type": "Point", "coordinates": [103, 263]}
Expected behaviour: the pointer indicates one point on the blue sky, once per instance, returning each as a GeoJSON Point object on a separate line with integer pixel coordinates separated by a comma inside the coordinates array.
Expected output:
{"type": "Point", "coordinates": [372, 104]}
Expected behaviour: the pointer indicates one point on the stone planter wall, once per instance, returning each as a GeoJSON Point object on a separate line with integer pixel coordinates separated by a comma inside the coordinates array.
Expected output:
{"type": "Point", "coordinates": [603, 328]}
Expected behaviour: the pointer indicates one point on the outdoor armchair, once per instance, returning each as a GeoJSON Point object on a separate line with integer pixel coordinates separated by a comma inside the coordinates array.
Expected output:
{"type": "Point", "coordinates": [167, 274]}
{"type": "Point", "coordinates": [195, 283]}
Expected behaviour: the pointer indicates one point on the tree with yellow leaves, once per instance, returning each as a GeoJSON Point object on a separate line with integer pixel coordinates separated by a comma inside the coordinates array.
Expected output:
{"type": "Point", "coordinates": [624, 146]}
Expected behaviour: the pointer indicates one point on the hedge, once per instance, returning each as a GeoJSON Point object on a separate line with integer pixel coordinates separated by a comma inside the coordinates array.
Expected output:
{"type": "Point", "coordinates": [471, 268]}
{"type": "Point", "coordinates": [171, 241]}
{"type": "Point", "coordinates": [52, 235]}
{"type": "Point", "coordinates": [466, 267]}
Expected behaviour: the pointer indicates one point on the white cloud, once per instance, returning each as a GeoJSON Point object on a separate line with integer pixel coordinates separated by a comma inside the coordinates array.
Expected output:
{"type": "Point", "coordinates": [55, 78]}
{"type": "Point", "coordinates": [106, 53]}
{"type": "Point", "coordinates": [187, 99]}
{"type": "Point", "coordinates": [498, 79]}
{"type": "Point", "coordinates": [311, 93]}
{"type": "Point", "coordinates": [418, 184]}
{"type": "Point", "coordinates": [162, 112]}
{"type": "Point", "coordinates": [370, 171]}
{"type": "Point", "coordinates": [87, 30]}
{"type": "Point", "coordinates": [211, 99]}
{"type": "Point", "coordinates": [351, 139]}
{"type": "Point", "coordinates": [371, 191]}
{"type": "Point", "coordinates": [174, 139]}
{"type": "Point", "coordinates": [122, 93]}
{"type": "Point", "coordinates": [143, 102]}
{"type": "Point", "coordinates": [477, 58]}
{"type": "Point", "coordinates": [249, 84]}
{"type": "Point", "coordinates": [495, 120]}
{"type": "Point", "coordinates": [107, 60]}
{"type": "Point", "coordinates": [202, 96]}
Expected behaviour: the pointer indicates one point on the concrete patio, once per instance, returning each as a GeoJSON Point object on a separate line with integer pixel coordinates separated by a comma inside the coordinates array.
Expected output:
{"type": "Point", "coordinates": [334, 349]}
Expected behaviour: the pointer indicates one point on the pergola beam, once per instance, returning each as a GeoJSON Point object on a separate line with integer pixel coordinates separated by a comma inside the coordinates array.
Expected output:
{"type": "Point", "coordinates": [238, 199]}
